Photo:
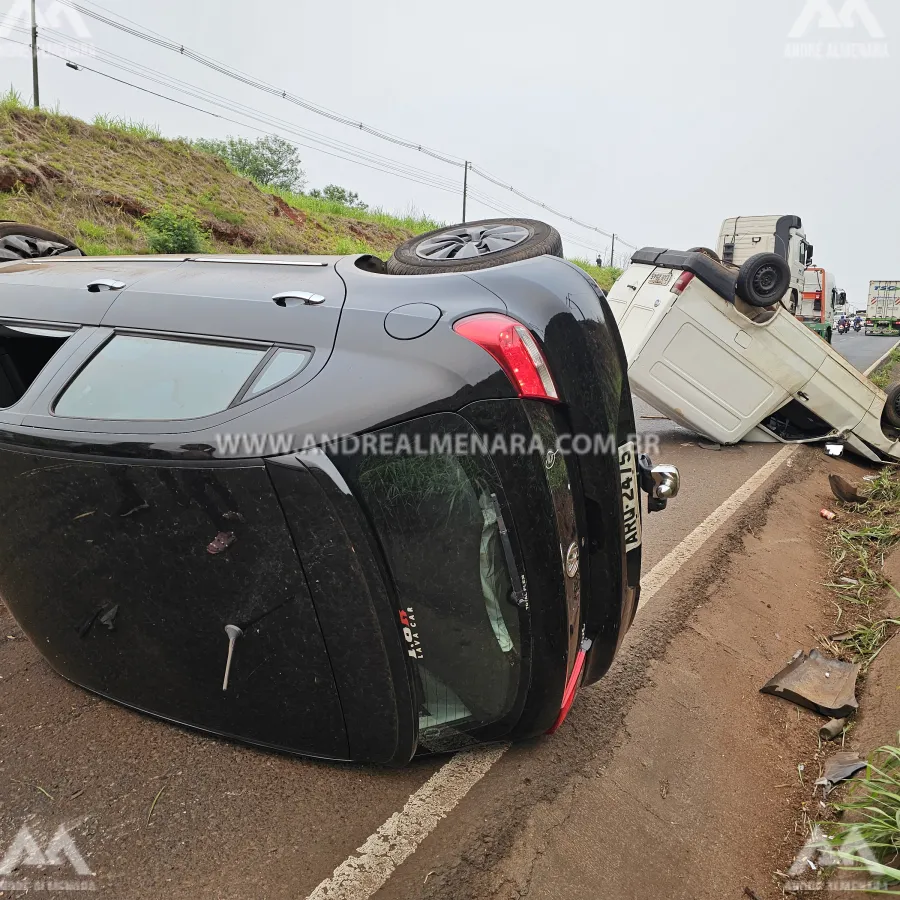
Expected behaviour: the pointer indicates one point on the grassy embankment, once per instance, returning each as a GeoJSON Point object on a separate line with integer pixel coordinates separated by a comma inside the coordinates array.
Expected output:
{"type": "Point", "coordinates": [96, 183]}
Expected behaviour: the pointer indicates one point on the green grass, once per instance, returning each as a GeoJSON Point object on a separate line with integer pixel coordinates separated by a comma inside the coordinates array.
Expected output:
{"type": "Point", "coordinates": [865, 640]}
{"type": "Point", "coordinates": [411, 219]}
{"type": "Point", "coordinates": [12, 101]}
{"type": "Point", "coordinates": [91, 231]}
{"type": "Point", "coordinates": [859, 541]}
{"type": "Point", "coordinates": [605, 276]}
{"type": "Point", "coordinates": [121, 125]}
{"type": "Point", "coordinates": [874, 808]}
{"type": "Point", "coordinates": [223, 213]}
{"type": "Point", "coordinates": [882, 376]}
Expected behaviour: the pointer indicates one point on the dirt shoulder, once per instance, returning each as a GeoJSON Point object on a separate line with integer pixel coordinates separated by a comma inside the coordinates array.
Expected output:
{"type": "Point", "coordinates": [706, 789]}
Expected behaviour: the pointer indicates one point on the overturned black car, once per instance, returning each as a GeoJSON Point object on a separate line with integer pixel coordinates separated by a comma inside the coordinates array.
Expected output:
{"type": "Point", "coordinates": [308, 504]}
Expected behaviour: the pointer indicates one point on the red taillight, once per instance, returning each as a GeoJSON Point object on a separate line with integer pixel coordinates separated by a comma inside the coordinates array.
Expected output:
{"type": "Point", "coordinates": [572, 686]}
{"type": "Point", "coordinates": [684, 279]}
{"type": "Point", "coordinates": [515, 349]}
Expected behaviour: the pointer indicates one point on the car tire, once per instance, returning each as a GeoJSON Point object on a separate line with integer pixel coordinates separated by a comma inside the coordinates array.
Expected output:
{"type": "Point", "coordinates": [19, 241]}
{"type": "Point", "coordinates": [706, 252]}
{"type": "Point", "coordinates": [892, 407]}
{"type": "Point", "coordinates": [475, 245]}
{"type": "Point", "coordinates": [763, 280]}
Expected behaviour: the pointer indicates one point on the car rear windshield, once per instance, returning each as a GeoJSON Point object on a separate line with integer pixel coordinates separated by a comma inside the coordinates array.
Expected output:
{"type": "Point", "coordinates": [139, 378]}
{"type": "Point", "coordinates": [24, 351]}
{"type": "Point", "coordinates": [436, 515]}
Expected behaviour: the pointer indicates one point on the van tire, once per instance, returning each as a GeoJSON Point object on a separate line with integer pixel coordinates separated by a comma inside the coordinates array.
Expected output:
{"type": "Point", "coordinates": [892, 407]}
{"type": "Point", "coordinates": [763, 280]}
{"type": "Point", "coordinates": [475, 245]}
{"type": "Point", "coordinates": [19, 241]}
{"type": "Point", "coordinates": [706, 252]}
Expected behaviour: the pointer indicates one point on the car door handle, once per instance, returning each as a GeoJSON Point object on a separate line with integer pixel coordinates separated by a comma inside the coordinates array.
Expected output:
{"type": "Point", "coordinates": [105, 284]}
{"type": "Point", "coordinates": [296, 298]}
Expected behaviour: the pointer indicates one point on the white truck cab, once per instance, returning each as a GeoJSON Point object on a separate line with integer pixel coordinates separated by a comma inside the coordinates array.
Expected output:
{"type": "Point", "coordinates": [744, 236]}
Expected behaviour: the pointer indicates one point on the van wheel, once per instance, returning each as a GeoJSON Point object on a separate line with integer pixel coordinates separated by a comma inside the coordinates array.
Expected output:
{"type": "Point", "coordinates": [475, 245]}
{"type": "Point", "coordinates": [763, 280]}
{"type": "Point", "coordinates": [706, 252]}
{"type": "Point", "coordinates": [892, 407]}
{"type": "Point", "coordinates": [30, 242]}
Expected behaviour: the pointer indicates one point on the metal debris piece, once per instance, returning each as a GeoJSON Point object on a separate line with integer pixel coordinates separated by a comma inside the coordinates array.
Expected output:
{"type": "Point", "coordinates": [838, 768]}
{"type": "Point", "coordinates": [221, 542]}
{"type": "Point", "coordinates": [834, 449]}
{"type": "Point", "coordinates": [832, 729]}
{"type": "Point", "coordinates": [827, 514]}
{"type": "Point", "coordinates": [817, 682]}
{"type": "Point", "coordinates": [844, 491]}
{"type": "Point", "coordinates": [842, 766]}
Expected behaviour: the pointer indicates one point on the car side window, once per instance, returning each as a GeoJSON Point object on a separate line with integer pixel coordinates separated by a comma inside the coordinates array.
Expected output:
{"type": "Point", "coordinates": [135, 377]}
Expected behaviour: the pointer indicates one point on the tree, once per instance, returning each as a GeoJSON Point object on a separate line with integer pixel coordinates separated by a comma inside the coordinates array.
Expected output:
{"type": "Point", "coordinates": [337, 194]}
{"type": "Point", "coordinates": [270, 160]}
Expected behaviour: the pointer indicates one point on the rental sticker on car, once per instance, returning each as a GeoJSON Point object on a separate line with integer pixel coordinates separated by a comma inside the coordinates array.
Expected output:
{"type": "Point", "coordinates": [631, 495]}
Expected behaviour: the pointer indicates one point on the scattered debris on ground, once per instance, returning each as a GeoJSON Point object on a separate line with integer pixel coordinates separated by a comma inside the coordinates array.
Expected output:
{"type": "Point", "coordinates": [824, 685]}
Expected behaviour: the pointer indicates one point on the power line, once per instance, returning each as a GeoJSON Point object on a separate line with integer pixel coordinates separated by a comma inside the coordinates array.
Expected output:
{"type": "Point", "coordinates": [254, 82]}
{"type": "Point", "coordinates": [143, 33]}
{"type": "Point", "coordinates": [201, 93]}
{"type": "Point", "coordinates": [235, 121]}
{"type": "Point", "coordinates": [536, 202]}
{"type": "Point", "coordinates": [486, 200]}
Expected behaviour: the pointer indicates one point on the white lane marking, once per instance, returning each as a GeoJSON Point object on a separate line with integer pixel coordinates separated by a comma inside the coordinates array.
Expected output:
{"type": "Point", "coordinates": [362, 875]}
{"type": "Point", "coordinates": [878, 362]}
{"type": "Point", "coordinates": [676, 558]}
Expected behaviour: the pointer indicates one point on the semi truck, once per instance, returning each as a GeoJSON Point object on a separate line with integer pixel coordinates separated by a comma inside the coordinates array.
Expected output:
{"type": "Point", "coordinates": [743, 237]}
{"type": "Point", "coordinates": [883, 310]}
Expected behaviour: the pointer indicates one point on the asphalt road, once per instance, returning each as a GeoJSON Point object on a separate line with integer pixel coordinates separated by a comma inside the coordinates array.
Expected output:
{"type": "Point", "coordinates": [861, 349]}
{"type": "Point", "coordinates": [166, 812]}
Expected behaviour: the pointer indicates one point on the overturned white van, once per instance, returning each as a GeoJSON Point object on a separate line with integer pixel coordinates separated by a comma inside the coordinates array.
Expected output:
{"type": "Point", "coordinates": [713, 348]}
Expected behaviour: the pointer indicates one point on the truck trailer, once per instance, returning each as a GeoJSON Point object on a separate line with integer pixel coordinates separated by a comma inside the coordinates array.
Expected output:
{"type": "Point", "coordinates": [883, 311]}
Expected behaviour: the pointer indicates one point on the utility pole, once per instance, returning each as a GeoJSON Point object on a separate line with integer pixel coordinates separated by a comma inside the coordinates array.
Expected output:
{"type": "Point", "coordinates": [612, 253]}
{"type": "Point", "coordinates": [34, 59]}
{"type": "Point", "coordinates": [465, 189]}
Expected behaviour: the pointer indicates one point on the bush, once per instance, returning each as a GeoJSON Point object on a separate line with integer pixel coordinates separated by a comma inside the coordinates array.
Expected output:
{"type": "Point", "coordinates": [334, 193]}
{"type": "Point", "coordinates": [171, 232]}
{"type": "Point", "coordinates": [270, 160]}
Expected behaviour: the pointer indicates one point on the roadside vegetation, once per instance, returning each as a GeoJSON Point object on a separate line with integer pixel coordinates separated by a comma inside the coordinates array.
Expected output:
{"type": "Point", "coordinates": [870, 817]}
{"type": "Point", "coordinates": [117, 186]}
{"type": "Point", "coordinates": [605, 276]}
{"type": "Point", "coordinates": [863, 536]}
{"type": "Point", "coordinates": [888, 372]}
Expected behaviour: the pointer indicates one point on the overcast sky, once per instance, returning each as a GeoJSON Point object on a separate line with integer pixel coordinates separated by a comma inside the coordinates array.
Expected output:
{"type": "Point", "coordinates": [652, 118]}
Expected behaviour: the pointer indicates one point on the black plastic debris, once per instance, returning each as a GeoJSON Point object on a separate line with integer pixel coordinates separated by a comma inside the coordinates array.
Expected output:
{"type": "Point", "coordinates": [817, 682]}
{"type": "Point", "coordinates": [844, 491]}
